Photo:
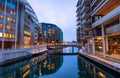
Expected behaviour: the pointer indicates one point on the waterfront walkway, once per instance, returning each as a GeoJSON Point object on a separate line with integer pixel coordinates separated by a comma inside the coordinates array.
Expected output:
{"type": "Point", "coordinates": [11, 54]}
{"type": "Point", "coordinates": [110, 61]}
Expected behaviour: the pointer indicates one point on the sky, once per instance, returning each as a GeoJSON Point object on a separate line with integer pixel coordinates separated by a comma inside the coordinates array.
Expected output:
{"type": "Point", "coordinates": [59, 12]}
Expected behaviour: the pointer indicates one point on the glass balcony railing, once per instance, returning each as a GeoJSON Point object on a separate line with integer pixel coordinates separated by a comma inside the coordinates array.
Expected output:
{"type": "Point", "coordinates": [87, 34]}
{"type": "Point", "coordinates": [92, 2]}
{"type": "Point", "coordinates": [85, 15]}
{"type": "Point", "coordinates": [86, 21]}
{"type": "Point", "coordinates": [84, 2]}
{"type": "Point", "coordinates": [87, 27]}
{"type": "Point", "coordinates": [101, 3]}
{"type": "Point", "coordinates": [84, 8]}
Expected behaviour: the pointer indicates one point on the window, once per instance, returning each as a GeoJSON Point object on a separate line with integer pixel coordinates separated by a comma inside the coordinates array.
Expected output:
{"type": "Point", "coordinates": [10, 27]}
{"type": "Point", "coordinates": [5, 35]}
{"type": "Point", "coordinates": [8, 10]}
{"type": "Point", "coordinates": [0, 34]}
{"type": "Point", "coordinates": [27, 33]}
{"type": "Point", "coordinates": [0, 25]}
{"type": "Point", "coordinates": [2, 7]}
{"type": "Point", "coordinates": [9, 19]}
{"type": "Point", "coordinates": [1, 16]}
{"type": "Point", "coordinates": [12, 35]}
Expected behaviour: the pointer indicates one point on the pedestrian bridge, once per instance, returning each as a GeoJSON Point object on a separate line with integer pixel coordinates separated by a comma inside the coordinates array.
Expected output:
{"type": "Point", "coordinates": [64, 44]}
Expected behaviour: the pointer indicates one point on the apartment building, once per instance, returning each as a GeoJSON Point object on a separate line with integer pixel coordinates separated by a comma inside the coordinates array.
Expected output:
{"type": "Point", "coordinates": [49, 33]}
{"type": "Point", "coordinates": [105, 25]}
{"type": "Point", "coordinates": [84, 30]}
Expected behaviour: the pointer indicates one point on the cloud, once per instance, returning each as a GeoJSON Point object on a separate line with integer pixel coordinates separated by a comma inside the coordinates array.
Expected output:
{"type": "Point", "coordinates": [59, 12]}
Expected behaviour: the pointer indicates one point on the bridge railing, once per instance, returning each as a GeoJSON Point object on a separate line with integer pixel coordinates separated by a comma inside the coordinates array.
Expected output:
{"type": "Point", "coordinates": [64, 44]}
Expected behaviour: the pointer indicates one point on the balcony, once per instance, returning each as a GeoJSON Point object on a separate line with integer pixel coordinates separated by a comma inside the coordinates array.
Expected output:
{"type": "Point", "coordinates": [112, 16]}
{"type": "Point", "coordinates": [78, 3]}
{"type": "Point", "coordinates": [87, 28]}
{"type": "Point", "coordinates": [77, 9]}
{"type": "Point", "coordinates": [78, 14]}
{"type": "Point", "coordinates": [78, 19]}
{"type": "Point", "coordinates": [85, 15]}
{"type": "Point", "coordinates": [85, 8]}
{"type": "Point", "coordinates": [79, 23]}
{"type": "Point", "coordinates": [86, 21]}
{"type": "Point", "coordinates": [85, 2]}
{"type": "Point", "coordinates": [95, 2]}
{"type": "Point", "coordinates": [103, 7]}
{"type": "Point", "coordinates": [87, 35]}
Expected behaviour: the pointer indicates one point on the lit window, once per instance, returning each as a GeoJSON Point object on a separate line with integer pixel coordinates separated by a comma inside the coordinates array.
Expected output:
{"type": "Point", "coordinates": [14, 20]}
{"type": "Point", "coordinates": [0, 34]}
{"type": "Point", "coordinates": [11, 28]}
{"type": "Point", "coordinates": [10, 35]}
{"type": "Point", "coordinates": [1, 16]}
{"type": "Point", "coordinates": [11, 11]}
{"type": "Point", "coordinates": [8, 19]}
{"type": "Point", "coordinates": [14, 13]}
{"type": "Point", "coordinates": [5, 35]}
{"type": "Point", "coordinates": [13, 36]}
{"type": "Point", "coordinates": [7, 26]}
{"type": "Point", "coordinates": [0, 25]}
{"type": "Point", "coordinates": [27, 33]}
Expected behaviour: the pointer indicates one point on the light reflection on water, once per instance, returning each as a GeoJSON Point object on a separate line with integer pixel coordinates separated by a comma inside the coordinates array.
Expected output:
{"type": "Point", "coordinates": [51, 66]}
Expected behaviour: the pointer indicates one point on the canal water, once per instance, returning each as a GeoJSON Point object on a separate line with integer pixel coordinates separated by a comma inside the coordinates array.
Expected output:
{"type": "Point", "coordinates": [55, 66]}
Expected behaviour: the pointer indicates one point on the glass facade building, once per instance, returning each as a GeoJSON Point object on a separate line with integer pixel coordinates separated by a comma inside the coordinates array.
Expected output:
{"type": "Point", "coordinates": [18, 24]}
{"type": "Point", "coordinates": [49, 33]}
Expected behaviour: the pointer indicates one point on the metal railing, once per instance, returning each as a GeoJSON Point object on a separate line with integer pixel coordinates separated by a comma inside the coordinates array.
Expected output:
{"type": "Point", "coordinates": [64, 44]}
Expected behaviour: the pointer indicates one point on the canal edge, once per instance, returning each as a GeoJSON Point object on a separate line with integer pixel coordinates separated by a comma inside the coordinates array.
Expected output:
{"type": "Point", "coordinates": [109, 66]}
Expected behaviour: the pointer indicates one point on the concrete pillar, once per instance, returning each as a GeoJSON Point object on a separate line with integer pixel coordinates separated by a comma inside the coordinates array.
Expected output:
{"type": "Point", "coordinates": [21, 26]}
{"type": "Point", "coordinates": [88, 45]}
{"type": "Point", "coordinates": [73, 49]}
{"type": "Point", "coordinates": [106, 42]}
{"type": "Point", "coordinates": [94, 71]}
{"type": "Point", "coordinates": [4, 25]}
{"type": "Point", "coordinates": [16, 28]}
{"type": "Point", "coordinates": [119, 18]}
{"type": "Point", "coordinates": [103, 41]}
{"type": "Point", "coordinates": [93, 45]}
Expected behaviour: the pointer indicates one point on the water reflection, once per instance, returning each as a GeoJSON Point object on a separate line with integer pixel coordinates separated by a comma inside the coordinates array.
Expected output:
{"type": "Point", "coordinates": [32, 68]}
{"type": "Point", "coordinates": [46, 66]}
{"type": "Point", "coordinates": [88, 69]}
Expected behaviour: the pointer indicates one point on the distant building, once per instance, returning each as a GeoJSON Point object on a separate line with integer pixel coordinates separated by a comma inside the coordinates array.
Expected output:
{"type": "Point", "coordinates": [49, 33]}
{"type": "Point", "coordinates": [18, 24]}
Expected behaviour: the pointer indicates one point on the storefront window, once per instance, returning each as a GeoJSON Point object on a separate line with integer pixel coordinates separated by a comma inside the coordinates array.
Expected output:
{"type": "Point", "coordinates": [98, 44]}
{"type": "Point", "coordinates": [114, 44]}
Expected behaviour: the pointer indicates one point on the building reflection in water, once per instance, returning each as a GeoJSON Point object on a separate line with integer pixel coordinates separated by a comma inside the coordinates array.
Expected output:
{"type": "Point", "coordinates": [32, 68]}
{"type": "Point", "coordinates": [91, 70]}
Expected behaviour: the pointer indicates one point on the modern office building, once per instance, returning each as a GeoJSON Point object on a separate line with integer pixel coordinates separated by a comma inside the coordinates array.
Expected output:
{"type": "Point", "coordinates": [18, 24]}
{"type": "Point", "coordinates": [105, 34]}
{"type": "Point", "coordinates": [49, 33]}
